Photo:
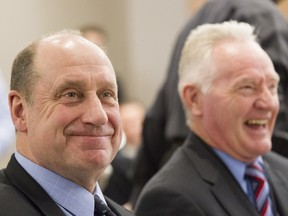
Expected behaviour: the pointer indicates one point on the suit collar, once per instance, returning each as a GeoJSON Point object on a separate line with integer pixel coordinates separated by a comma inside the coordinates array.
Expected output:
{"type": "Point", "coordinates": [278, 184]}
{"type": "Point", "coordinates": [212, 170]}
{"type": "Point", "coordinates": [116, 208]}
{"type": "Point", "coordinates": [31, 189]}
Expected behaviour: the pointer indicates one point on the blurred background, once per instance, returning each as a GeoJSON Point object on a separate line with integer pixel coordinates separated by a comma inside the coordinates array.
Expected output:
{"type": "Point", "coordinates": [141, 34]}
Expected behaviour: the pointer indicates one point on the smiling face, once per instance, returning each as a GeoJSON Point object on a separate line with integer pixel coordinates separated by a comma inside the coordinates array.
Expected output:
{"type": "Point", "coordinates": [239, 112]}
{"type": "Point", "coordinates": [73, 124]}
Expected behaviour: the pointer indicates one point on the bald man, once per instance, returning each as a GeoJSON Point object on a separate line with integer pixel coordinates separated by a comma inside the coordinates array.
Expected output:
{"type": "Point", "coordinates": [64, 106]}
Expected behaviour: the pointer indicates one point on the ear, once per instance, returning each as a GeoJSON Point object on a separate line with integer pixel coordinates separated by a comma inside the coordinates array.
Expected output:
{"type": "Point", "coordinates": [17, 110]}
{"type": "Point", "coordinates": [191, 96]}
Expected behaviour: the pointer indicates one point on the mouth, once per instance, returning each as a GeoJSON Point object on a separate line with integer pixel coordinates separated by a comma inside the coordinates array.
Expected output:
{"type": "Point", "coordinates": [88, 141]}
{"type": "Point", "coordinates": [89, 133]}
{"type": "Point", "coordinates": [256, 123]}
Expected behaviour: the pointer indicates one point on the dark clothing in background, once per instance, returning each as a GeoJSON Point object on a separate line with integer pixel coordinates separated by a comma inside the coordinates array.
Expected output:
{"type": "Point", "coordinates": [119, 185]}
{"type": "Point", "coordinates": [280, 143]}
{"type": "Point", "coordinates": [165, 125]}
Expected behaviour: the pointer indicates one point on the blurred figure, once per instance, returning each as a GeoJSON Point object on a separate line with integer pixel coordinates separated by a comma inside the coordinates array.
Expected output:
{"type": "Point", "coordinates": [132, 114]}
{"type": "Point", "coordinates": [7, 130]}
{"type": "Point", "coordinates": [228, 87]}
{"type": "Point", "coordinates": [64, 105]}
{"type": "Point", "coordinates": [119, 183]}
{"type": "Point", "coordinates": [165, 125]}
{"type": "Point", "coordinates": [98, 35]}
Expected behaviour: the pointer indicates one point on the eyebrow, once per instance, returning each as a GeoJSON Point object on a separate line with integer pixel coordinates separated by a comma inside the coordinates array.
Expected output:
{"type": "Point", "coordinates": [274, 78]}
{"type": "Point", "coordinates": [82, 84]}
{"type": "Point", "coordinates": [72, 83]}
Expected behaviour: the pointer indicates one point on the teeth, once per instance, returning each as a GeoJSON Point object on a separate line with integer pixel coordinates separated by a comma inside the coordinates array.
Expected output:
{"type": "Point", "coordinates": [257, 122]}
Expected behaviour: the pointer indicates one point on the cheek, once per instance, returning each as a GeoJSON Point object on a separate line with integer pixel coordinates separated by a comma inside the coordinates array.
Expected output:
{"type": "Point", "coordinates": [115, 120]}
{"type": "Point", "coordinates": [276, 104]}
{"type": "Point", "coordinates": [221, 114]}
{"type": "Point", "coordinates": [213, 109]}
{"type": "Point", "coordinates": [63, 115]}
{"type": "Point", "coordinates": [56, 123]}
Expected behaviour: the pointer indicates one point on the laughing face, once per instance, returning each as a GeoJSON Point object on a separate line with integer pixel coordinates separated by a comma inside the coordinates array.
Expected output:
{"type": "Point", "coordinates": [239, 113]}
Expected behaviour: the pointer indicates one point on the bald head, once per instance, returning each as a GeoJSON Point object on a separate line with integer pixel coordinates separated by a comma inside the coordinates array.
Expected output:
{"type": "Point", "coordinates": [43, 55]}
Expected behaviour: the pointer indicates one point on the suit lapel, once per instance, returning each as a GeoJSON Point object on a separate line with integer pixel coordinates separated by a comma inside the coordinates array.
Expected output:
{"type": "Point", "coordinates": [31, 189]}
{"type": "Point", "coordinates": [224, 187]}
{"type": "Point", "coordinates": [278, 185]}
{"type": "Point", "coordinates": [232, 199]}
{"type": "Point", "coordinates": [118, 210]}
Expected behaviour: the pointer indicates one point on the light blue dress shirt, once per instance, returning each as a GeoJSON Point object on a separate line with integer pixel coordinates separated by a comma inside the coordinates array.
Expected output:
{"type": "Point", "coordinates": [237, 168]}
{"type": "Point", "coordinates": [73, 199]}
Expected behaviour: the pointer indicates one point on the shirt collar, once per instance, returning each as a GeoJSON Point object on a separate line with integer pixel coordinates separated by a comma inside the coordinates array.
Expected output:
{"type": "Point", "coordinates": [236, 167]}
{"type": "Point", "coordinates": [67, 194]}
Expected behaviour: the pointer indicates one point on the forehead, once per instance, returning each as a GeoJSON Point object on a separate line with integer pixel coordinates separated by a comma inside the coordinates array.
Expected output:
{"type": "Point", "coordinates": [68, 50]}
{"type": "Point", "coordinates": [73, 60]}
{"type": "Point", "coordinates": [236, 58]}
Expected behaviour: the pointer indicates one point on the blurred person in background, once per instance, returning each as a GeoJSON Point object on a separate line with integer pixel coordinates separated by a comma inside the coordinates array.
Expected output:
{"type": "Point", "coordinates": [98, 35]}
{"type": "Point", "coordinates": [132, 115]}
{"type": "Point", "coordinates": [165, 126]}
{"type": "Point", "coordinates": [7, 130]}
{"type": "Point", "coordinates": [119, 184]}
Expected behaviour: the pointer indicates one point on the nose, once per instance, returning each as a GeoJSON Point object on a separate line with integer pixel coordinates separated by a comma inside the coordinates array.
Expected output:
{"type": "Point", "coordinates": [93, 112]}
{"type": "Point", "coordinates": [267, 100]}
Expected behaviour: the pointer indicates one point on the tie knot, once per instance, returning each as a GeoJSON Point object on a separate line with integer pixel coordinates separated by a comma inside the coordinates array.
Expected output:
{"type": "Point", "coordinates": [255, 171]}
{"type": "Point", "coordinates": [101, 209]}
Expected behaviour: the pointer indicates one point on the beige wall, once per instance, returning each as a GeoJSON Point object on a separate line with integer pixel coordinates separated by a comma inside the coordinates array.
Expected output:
{"type": "Point", "coordinates": [142, 33]}
{"type": "Point", "coordinates": [283, 6]}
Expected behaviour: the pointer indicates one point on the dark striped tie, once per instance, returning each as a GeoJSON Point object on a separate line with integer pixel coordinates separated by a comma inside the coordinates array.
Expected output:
{"type": "Point", "coordinates": [101, 209]}
{"type": "Point", "coordinates": [256, 177]}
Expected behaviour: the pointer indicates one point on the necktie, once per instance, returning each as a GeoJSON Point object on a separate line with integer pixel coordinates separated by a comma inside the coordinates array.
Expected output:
{"type": "Point", "coordinates": [101, 209]}
{"type": "Point", "coordinates": [256, 177]}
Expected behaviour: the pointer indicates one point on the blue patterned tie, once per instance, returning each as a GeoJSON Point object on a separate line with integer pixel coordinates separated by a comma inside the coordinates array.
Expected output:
{"type": "Point", "coordinates": [101, 209]}
{"type": "Point", "coordinates": [256, 177]}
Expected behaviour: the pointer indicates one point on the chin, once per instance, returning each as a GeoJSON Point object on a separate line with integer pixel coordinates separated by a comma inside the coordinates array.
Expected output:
{"type": "Point", "coordinates": [264, 148]}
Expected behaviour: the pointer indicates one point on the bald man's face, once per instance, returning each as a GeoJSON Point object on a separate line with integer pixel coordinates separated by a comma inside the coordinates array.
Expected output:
{"type": "Point", "coordinates": [74, 123]}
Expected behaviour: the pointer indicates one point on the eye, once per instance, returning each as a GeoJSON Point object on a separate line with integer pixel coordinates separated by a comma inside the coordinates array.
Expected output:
{"type": "Point", "coordinates": [106, 94]}
{"type": "Point", "coordinates": [273, 87]}
{"type": "Point", "coordinates": [108, 97]}
{"type": "Point", "coordinates": [247, 87]}
{"type": "Point", "coordinates": [71, 94]}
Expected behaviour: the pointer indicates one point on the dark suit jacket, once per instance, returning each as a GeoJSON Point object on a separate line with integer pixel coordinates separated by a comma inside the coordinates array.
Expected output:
{"type": "Point", "coordinates": [196, 182]}
{"type": "Point", "coordinates": [21, 195]}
